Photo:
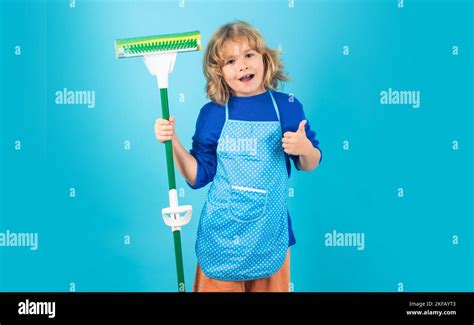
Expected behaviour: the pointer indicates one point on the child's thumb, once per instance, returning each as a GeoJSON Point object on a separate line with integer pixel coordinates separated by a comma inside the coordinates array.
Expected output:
{"type": "Point", "coordinates": [171, 119]}
{"type": "Point", "coordinates": [301, 126]}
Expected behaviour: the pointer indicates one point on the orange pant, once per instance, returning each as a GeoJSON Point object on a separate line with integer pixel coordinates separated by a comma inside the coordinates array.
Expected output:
{"type": "Point", "coordinates": [278, 282]}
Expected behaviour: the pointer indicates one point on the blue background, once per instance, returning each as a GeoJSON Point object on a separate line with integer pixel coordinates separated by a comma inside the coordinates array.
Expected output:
{"type": "Point", "coordinates": [408, 240]}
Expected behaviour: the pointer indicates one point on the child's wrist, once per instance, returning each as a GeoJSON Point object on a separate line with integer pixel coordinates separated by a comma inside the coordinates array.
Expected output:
{"type": "Point", "coordinates": [308, 148]}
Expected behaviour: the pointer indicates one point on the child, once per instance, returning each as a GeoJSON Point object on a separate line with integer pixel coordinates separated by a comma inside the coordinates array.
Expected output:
{"type": "Point", "coordinates": [243, 141]}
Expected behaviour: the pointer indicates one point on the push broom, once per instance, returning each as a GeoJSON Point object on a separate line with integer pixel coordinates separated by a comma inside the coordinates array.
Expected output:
{"type": "Point", "coordinates": [159, 53]}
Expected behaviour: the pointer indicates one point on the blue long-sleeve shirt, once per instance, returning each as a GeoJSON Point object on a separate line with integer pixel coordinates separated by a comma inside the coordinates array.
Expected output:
{"type": "Point", "coordinates": [253, 108]}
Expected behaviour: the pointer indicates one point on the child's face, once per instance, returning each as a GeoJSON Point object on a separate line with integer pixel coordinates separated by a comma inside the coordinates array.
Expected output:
{"type": "Point", "coordinates": [243, 68]}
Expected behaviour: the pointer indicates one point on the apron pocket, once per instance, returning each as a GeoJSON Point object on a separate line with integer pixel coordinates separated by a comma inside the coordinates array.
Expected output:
{"type": "Point", "coordinates": [247, 204]}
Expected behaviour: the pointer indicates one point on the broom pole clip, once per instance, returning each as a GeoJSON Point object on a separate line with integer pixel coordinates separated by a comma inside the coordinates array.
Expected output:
{"type": "Point", "coordinates": [176, 216]}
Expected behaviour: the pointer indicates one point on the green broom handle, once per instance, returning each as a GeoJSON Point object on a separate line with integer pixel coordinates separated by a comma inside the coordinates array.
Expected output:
{"type": "Point", "coordinates": [168, 144]}
{"type": "Point", "coordinates": [172, 186]}
{"type": "Point", "coordinates": [179, 260]}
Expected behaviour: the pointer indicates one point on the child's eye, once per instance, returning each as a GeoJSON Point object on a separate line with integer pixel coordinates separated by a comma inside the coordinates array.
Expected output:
{"type": "Point", "coordinates": [230, 61]}
{"type": "Point", "coordinates": [249, 55]}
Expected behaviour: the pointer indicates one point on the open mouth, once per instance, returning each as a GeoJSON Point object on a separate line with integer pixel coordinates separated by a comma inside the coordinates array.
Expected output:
{"type": "Point", "coordinates": [247, 78]}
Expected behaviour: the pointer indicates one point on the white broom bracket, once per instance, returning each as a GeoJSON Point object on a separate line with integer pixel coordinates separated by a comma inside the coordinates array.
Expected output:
{"type": "Point", "coordinates": [178, 216]}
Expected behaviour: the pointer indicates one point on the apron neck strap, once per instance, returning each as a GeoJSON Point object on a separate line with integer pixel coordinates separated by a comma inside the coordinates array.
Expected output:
{"type": "Point", "coordinates": [275, 107]}
{"type": "Point", "coordinates": [226, 110]}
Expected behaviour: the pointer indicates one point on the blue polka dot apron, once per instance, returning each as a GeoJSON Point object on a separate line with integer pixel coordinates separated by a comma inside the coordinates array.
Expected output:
{"type": "Point", "coordinates": [243, 229]}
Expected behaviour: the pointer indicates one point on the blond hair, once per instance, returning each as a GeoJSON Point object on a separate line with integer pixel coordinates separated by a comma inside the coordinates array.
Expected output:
{"type": "Point", "coordinates": [216, 88]}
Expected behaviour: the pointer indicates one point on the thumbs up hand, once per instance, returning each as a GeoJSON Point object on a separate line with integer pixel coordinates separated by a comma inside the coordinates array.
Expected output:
{"type": "Point", "coordinates": [296, 143]}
